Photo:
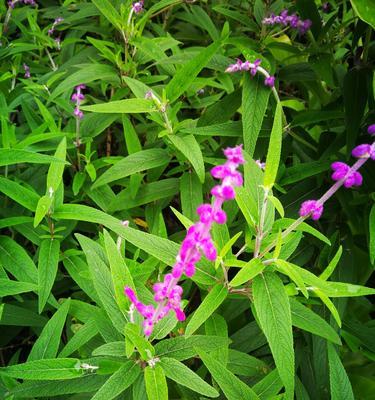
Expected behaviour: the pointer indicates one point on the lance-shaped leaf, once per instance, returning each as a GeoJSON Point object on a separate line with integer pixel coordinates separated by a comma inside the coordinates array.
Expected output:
{"type": "Point", "coordinates": [208, 306]}
{"type": "Point", "coordinates": [274, 149]}
{"type": "Point", "coordinates": [47, 269]}
{"type": "Point", "coordinates": [156, 384]}
{"type": "Point", "coordinates": [273, 312]}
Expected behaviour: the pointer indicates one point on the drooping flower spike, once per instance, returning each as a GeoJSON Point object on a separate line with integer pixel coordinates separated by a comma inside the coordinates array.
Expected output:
{"type": "Point", "coordinates": [253, 68]}
{"type": "Point", "coordinates": [344, 175]}
{"type": "Point", "coordinates": [198, 241]}
{"type": "Point", "coordinates": [294, 21]}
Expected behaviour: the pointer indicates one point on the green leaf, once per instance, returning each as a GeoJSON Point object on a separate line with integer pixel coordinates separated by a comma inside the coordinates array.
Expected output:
{"type": "Point", "coordinates": [107, 9]}
{"type": "Point", "coordinates": [124, 377]}
{"type": "Point", "coordinates": [277, 204]}
{"type": "Point", "coordinates": [184, 376]}
{"type": "Point", "coordinates": [191, 194]}
{"type": "Point", "coordinates": [136, 162]}
{"type": "Point", "coordinates": [270, 385]}
{"type": "Point", "coordinates": [210, 303]}
{"type": "Point", "coordinates": [156, 384]}
{"type": "Point", "coordinates": [365, 9]}
{"type": "Point", "coordinates": [233, 388]}
{"type": "Point", "coordinates": [42, 208]}
{"type": "Point", "coordinates": [56, 169]}
{"type": "Point", "coordinates": [88, 73]}
{"type": "Point", "coordinates": [273, 311]}
{"type": "Point", "coordinates": [22, 195]}
{"type": "Point", "coordinates": [14, 259]}
{"type": "Point", "coordinates": [144, 347]}
{"type": "Point", "coordinates": [182, 348]}
{"type": "Point", "coordinates": [121, 276]}
{"type": "Point", "coordinates": [341, 388]}
{"type": "Point", "coordinates": [343, 289]}
{"type": "Point", "coordinates": [52, 388]}
{"type": "Point", "coordinates": [127, 106]}
{"type": "Point", "coordinates": [254, 105]}
{"type": "Point", "coordinates": [217, 326]}
{"type": "Point", "coordinates": [288, 269]}
{"type": "Point", "coordinates": [163, 249]}
{"type": "Point", "coordinates": [331, 307]}
{"type": "Point", "coordinates": [83, 335]}
{"type": "Point", "coordinates": [372, 234]}
{"type": "Point", "coordinates": [189, 147]}
{"type": "Point", "coordinates": [47, 344]}
{"type": "Point", "coordinates": [243, 364]}
{"type": "Point", "coordinates": [185, 76]}
{"type": "Point", "coordinates": [274, 149]}
{"type": "Point", "coordinates": [10, 288]}
{"type": "Point", "coordinates": [247, 272]}
{"type": "Point", "coordinates": [16, 156]}
{"type": "Point", "coordinates": [306, 319]}
{"type": "Point", "coordinates": [102, 280]}
{"type": "Point", "coordinates": [19, 316]}
{"type": "Point", "coordinates": [60, 368]}
{"type": "Point", "coordinates": [47, 269]}
{"type": "Point", "coordinates": [332, 265]}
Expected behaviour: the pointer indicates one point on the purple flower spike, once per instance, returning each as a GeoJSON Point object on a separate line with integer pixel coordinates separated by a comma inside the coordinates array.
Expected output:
{"type": "Point", "coordinates": [78, 97]}
{"type": "Point", "coordinates": [198, 242]}
{"type": "Point", "coordinates": [371, 129]}
{"type": "Point", "coordinates": [343, 171]}
{"type": "Point", "coordinates": [270, 81]}
{"type": "Point", "coordinates": [311, 207]}
{"type": "Point", "coordinates": [294, 21]}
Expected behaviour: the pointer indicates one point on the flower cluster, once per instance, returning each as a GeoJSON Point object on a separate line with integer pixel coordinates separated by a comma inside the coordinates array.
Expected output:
{"type": "Point", "coordinates": [137, 7]}
{"type": "Point", "coordinates": [12, 3]}
{"type": "Point", "coordinates": [167, 294]}
{"type": "Point", "coordinates": [253, 68]}
{"type": "Point", "coordinates": [55, 22]}
{"type": "Point", "coordinates": [27, 71]}
{"type": "Point", "coordinates": [343, 174]}
{"type": "Point", "coordinates": [294, 21]}
{"type": "Point", "coordinates": [78, 97]}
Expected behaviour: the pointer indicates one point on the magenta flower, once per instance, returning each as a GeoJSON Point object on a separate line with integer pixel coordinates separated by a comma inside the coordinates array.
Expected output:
{"type": "Point", "coordinates": [293, 21]}
{"type": "Point", "coordinates": [364, 151]}
{"type": "Point", "coordinates": [270, 81]}
{"type": "Point", "coordinates": [371, 129]}
{"type": "Point", "coordinates": [342, 171]}
{"type": "Point", "coordinates": [78, 97]}
{"type": "Point", "coordinates": [198, 241]}
{"type": "Point", "coordinates": [311, 207]}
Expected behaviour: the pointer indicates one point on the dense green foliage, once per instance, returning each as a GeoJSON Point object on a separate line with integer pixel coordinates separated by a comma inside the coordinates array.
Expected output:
{"type": "Point", "coordinates": [294, 319]}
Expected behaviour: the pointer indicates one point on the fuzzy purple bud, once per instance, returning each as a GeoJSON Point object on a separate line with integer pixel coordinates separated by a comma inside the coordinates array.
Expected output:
{"type": "Point", "coordinates": [137, 7]}
{"type": "Point", "coordinates": [364, 151]}
{"type": "Point", "coordinates": [371, 129]}
{"type": "Point", "coordinates": [27, 71]}
{"type": "Point", "coordinates": [311, 207]}
{"type": "Point", "coordinates": [342, 171]}
{"type": "Point", "coordinates": [270, 81]}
